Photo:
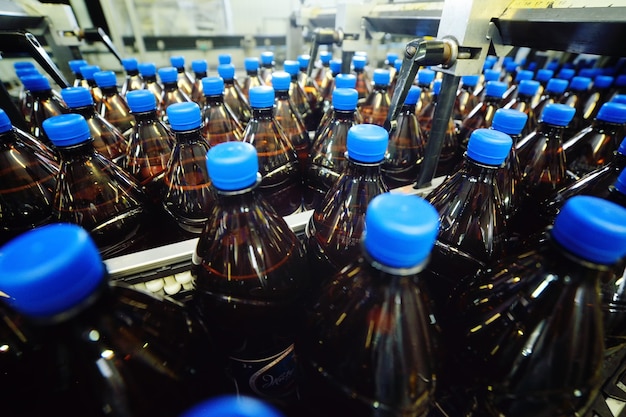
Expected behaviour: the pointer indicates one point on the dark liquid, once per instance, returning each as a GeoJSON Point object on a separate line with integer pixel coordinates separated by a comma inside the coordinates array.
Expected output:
{"type": "Point", "coordinates": [363, 85]}
{"type": "Point", "coordinates": [376, 106]}
{"type": "Point", "coordinates": [592, 147]}
{"type": "Point", "coordinates": [251, 275]}
{"type": "Point", "coordinates": [107, 139]}
{"type": "Point", "coordinates": [220, 123]}
{"type": "Point", "coordinates": [171, 94]}
{"type": "Point", "coordinates": [301, 104]}
{"type": "Point", "coordinates": [523, 104]}
{"type": "Point", "coordinates": [45, 105]}
{"type": "Point", "coordinates": [237, 102]}
{"type": "Point", "coordinates": [115, 110]}
{"type": "Point", "coordinates": [293, 126]}
{"type": "Point", "coordinates": [479, 118]}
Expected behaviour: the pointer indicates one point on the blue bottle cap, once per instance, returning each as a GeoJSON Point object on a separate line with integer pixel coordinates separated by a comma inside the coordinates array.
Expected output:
{"type": "Point", "coordinates": [358, 62]}
{"type": "Point", "coordinates": [326, 56]}
{"type": "Point", "coordinates": [566, 74]}
{"type": "Point", "coordinates": [436, 87]}
{"type": "Point", "coordinates": [233, 165]}
{"type": "Point", "coordinates": [524, 75]}
{"type": "Point", "coordinates": [397, 64]}
{"type": "Point", "coordinates": [251, 63]}
{"type": "Point", "coordinates": [262, 97]}
{"type": "Point", "coordinates": [489, 62]}
{"type": "Point", "coordinates": [199, 66]}
{"type": "Point", "coordinates": [620, 184]}
{"type": "Point", "coordinates": [345, 99]}
{"type": "Point", "coordinates": [620, 81]}
{"type": "Point", "coordinates": [543, 75]}
{"type": "Point", "coordinates": [509, 121]}
{"type": "Point", "coordinates": [489, 146]}
{"type": "Point", "coordinates": [177, 61]}
{"type": "Point", "coordinates": [556, 86]}
{"type": "Point", "coordinates": [557, 114]}
{"type": "Point", "coordinates": [35, 82]}
{"type": "Point", "coordinates": [532, 66]}
{"type": "Point", "coordinates": [620, 98]}
{"type": "Point", "coordinates": [400, 229]}
{"type": "Point", "coordinates": [226, 71]}
{"type": "Point", "coordinates": [335, 66]}
{"type": "Point", "coordinates": [391, 57]}
{"type": "Point", "coordinates": [184, 116]}
{"type": "Point", "coordinates": [622, 147]}
{"type": "Point", "coordinates": [381, 77]}
{"type": "Point", "coordinates": [224, 59]}
{"type": "Point", "coordinates": [88, 71]}
{"type": "Point", "coordinates": [495, 89]}
{"type": "Point", "coordinates": [147, 69]}
{"type": "Point", "coordinates": [345, 81]}
{"type": "Point", "coordinates": [42, 278]}
{"type": "Point", "coordinates": [105, 79]}
{"type": "Point", "coordinates": [76, 64]}
{"type": "Point", "coordinates": [77, 97]}
{"type": "Point", "coordinates": [470, 80]}
{"type": "Point", "coordinates": [425, 76]}
{"type": "Point", "coordinates": [588, 72]}
{"type": "Point", "coordinates": [608, 71]}
{"type": "Point", "coordinates": [528, 87]}
{"type": "Point", "coordinates": [511, 66]}
{"type": "Point", "coordinates": [168, 74]}
{"type": "Point", "coordinates": [492, 75]}
{"type": "Point", "coordinates": [580, 83]}
{"type": "Point", "coordinates": [592, 228]}
{"type": "Point", "coordinates": [232, 406]}
{"type": "Point", "coordinates": [603, 81]}
{"type": "Point", "coordinates": [612, 112]}
{"type": "Point", "coordinates": [292, 67]}
{"type": "Point", "coordinates": [130, 64]}
{"type": "Point", "coordinates": [141, 101]}
{"type": "Point", "coordinates": [5, 122]}
{"type": "Point", "coordinates": [367, 143]}
{"type": "Point", "coordinates": [213, 86]}
{"type": "Point", "coordinates": [507, 60]}
{"type": "Point", "coordinates": [281, 80]}
{"type": "Point", "coordinates": [67, 129]}
{"type": "Point", "coordinates": [23, 64]}
{"type": "Point", "coordinates": [21, 72]}
{"type": "Point", "coordinates": [303, 60]}
{"type": "Point", "coordinates": [267, 58]}
{"type": "Point", "coordinates": [553, 65]}
{"type": "Point", "coordinates": [413, 95]}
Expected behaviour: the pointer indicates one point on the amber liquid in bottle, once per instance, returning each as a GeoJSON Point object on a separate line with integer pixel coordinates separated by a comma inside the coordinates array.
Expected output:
{"type": "Point", "coordinates": [116, 111]}
{"type": "Point", "coordinates": [45, 105]}
{"type": "Point", "coordinates": [220, 123]}
{"type": "Point", "coordinates": [292, 124]}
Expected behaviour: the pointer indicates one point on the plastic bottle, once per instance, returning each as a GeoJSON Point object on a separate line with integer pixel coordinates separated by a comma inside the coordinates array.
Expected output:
{"type": "Point", "coordinates": [113, 107]}
{"type": "Point", "coordinates": [512, 91]}
{"type": "Point", "coordinates": [543, 76]}
{"type": "Point", "coordinates": [92, 191]}
{"type": "Point", "coordinates": [341, 81]}
{"type": "Point", "coordinates": [405, 151]}
{"type": "Point", "coordinates": [375, 107]}
{"type": "Point", "coordinates": [171, 92]}
{"type": "Point", "coordinates": [566, 74]}
{"type": "Point", "coordinates": [598, 94]}
{"type": "Point", "coordinates": [27, 182]}
{"type": "Point", "coordinates": [363, 81]}
{"type": "Point", "coordinates": [150, 144]}
{"type": "Point", "coordinates": [311, 90]}
{"type": "Point", "coordinates": [536, 341]}
{"type": "Point", "coordinates": [289, 119]}
{"type": "Point", "coordinates": [88, 71]}
{"type": "Point", "coordinates": [95, 347]}
{"type": "Point", "coordinates": [45, 105]}
{"type": "Point", "coordinates": [575, 96]}
{"type": "Point", "coordinates": [232, 406]}
{"type": "Point", "coordinates": [512, 123]}
{"type": "Point", "coordinates": [509, 71]}
{"type": "Point", "coordinates": [107, 139]}
{"type": "Point", "coordinates": [148, 73]}
{"type": "Point", "coordinates": [473, 228]}
{"type": "Point", "coordinates": [369, 346]}
{"type": "Point", "coordinates": [220, 124]}
{"type": "Point", "coordinates": [328, 84]}
{"type": "Point", "coordinates": [199, 67]}
{"type": "Point", "coordinates": [79, 80]}
{"type": "Point", "coordinates": [24, 97]}
{"type": "Point", "coordinates": [299, 97]}
{"type": "Point", "coordinates": [132, 80]}
{"type": "Point", "coordinates": [278, 162]}
{"type": "Point", "coordinates": [267, 67]}
{"type": "Point", "coordinates": [251, 276]}
{"type": "Point", "coordinates": [595, 145]}
{"type": "Point", "coordinates": [233, 96]}
{"type": "Point", "coordinates": [251, 65]}
{"type": "Point", "coordinates": [525, 93]}
{"type": "Point", "coordinates": [488, 75]}
{"type": "Point", "coordinates": [323, 75]}
{"type": "Point", "coordinates": [183, 79]}
{"type": "Point", "coordinates": [552, 94]}
{"type": "Point", "coordinates": [187, 193]}
{"type": "Point", "coordinates": [328, 150]}
{"type": "Point", "coordinates": [480, 117]}
{"type": "Point", "coordinates": [465, 99]}
{"type": "Point", "coordinates": [425, 78]}
{"type": "Point", "coordinates": [618, 88]}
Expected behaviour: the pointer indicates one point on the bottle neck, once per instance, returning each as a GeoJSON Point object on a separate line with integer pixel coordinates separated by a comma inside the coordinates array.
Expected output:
{"type": "Point", "coordinates": [551, 131]}
{"type": "Point", "coordinates": [381, 87]}
{"type": "Point", "coordinates": [42, 94]}
{"type": "Point", "coordinates": [252, 73]}
{"type": "Point", "coordinates": [282, 94]}
{"type": "Point", "coordinates": [480, 170]}
{"type": "Point", "coordinates": [150, 79]}
{"type": "Point", "coordinates": [109, 91]}
{"type": "Point", "coordinates": [86, 111]}
{"type": "Point", "coordinates": [170, 86]}
{"type": "Point", "coordinates": [146, 115]}
{"type": "Point", "coordinates": [8, 137]}
{"type": "Point", "coordinates": [359, 168]}
{"type": "Point", "coordinates": [73, 151]}
{"type": "Point", "coordinates": [199, 75]}
{"type": "Point", "coordinates": [343, 114]}
{"type": "Point", "coordinates": [132, 73]}
{"type": "Point", "coordinates": [180, 70]}
{"type": "Point", "coordinates": [188, 136]}
{"type": "Point", "coordinates": [229, 82]}
{"type": "Point", "coordinates": [263, 112]}
{"type": "Point", "coordinates": [218, 98]}
{"type": "Point", "coordinates": [394, 271]}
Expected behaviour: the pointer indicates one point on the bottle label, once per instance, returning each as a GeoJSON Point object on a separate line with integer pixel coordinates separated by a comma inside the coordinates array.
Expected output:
{"type": "Point", "coordinates": [273, 376]}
